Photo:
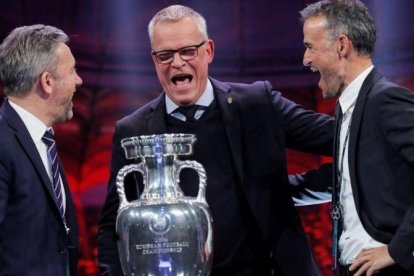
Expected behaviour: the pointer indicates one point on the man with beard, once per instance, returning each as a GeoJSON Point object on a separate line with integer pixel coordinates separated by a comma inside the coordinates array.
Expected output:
{"type": "Point", "coordinates": [242, 133]}
{"type": "Point", "coordinates": [373, 189]}
{"type": "Point", "coordinates": [39, 233]}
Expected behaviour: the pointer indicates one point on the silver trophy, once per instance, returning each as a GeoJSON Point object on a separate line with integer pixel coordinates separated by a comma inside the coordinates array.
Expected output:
{"type": "Point", "coordinates": [164, 232]}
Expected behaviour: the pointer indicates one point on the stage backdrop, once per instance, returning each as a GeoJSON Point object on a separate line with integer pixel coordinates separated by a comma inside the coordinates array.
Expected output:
{"type": "Point", "coordinates": [255, 40]}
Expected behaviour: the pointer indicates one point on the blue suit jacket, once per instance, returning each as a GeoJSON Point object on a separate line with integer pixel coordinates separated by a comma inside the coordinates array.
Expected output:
{"type": "Point", "coordinates": [33, 240]}
{"type": "Point", "coordinates": [259, 124]}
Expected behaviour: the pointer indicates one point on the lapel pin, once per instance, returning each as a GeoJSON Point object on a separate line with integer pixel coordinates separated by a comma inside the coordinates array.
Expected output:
{"type": "Point", "coordinates": [229, 100]}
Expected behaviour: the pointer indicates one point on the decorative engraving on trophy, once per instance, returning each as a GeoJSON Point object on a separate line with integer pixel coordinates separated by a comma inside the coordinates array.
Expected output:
{"type": "Point", "coordinates": [162, 247]}
{"type": "Point", "coordinates": [160, 239]}
{"type": "Point", "coordinates": [160, 223]}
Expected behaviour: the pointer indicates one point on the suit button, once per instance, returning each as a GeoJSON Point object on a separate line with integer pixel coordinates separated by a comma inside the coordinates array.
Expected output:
{"type": "Point", "coordinates": [62, 251]}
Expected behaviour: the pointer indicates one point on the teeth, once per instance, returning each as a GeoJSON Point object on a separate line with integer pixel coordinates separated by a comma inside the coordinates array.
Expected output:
{"type": "Point", "coordinates": [182, 79]}
{"type": "Point", "coordinates": [180, 82]}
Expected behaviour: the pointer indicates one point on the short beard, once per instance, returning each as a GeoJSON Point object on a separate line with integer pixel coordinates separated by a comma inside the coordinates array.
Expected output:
{"type": "Point", "coordinates": [66, 117]}
{"type": "Point", "coordinates": [334, 86]}
{"type": "Point", "coordinates": [329, 94]}
{"type": "Point", "coordinates": [69, 114]}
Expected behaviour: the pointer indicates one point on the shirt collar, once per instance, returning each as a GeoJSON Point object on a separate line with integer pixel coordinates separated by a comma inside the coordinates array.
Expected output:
{"type": "Point", "coordinates": [35, 127]}
{"type": "Point", "coordinates": [205, 100]}
{"type": "Point", "coordinates": [350, 94]}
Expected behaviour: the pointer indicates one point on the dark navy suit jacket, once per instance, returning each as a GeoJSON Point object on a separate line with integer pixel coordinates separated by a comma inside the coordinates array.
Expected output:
{"type": "Point", "coordinates": [381, 163]}
{"type": "Point", "coordinates": [33, 240]}
{"type": "Point", "coordinates": [259, 124]}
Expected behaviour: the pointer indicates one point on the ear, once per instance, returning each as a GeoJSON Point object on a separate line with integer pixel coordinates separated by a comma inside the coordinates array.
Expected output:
{"type": "Point", "coordinates": [210, 50]}
{"type": "Point", "coordinates": [153, 58]}
{"type": "Point", "coordinates": [47, 82]}
{"type": "Point", "coordinates": [344, 45]}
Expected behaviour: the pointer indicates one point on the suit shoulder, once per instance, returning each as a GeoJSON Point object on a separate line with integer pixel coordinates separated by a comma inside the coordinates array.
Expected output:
{"type": "Point", "coordinates": [7, 138]}
{"type": "Point", "coordinates": [137, 115]}
{"type": "Point", "coordinates": [251, 92]}
{"type": "Point", "coordinates": [385, 92]}
{"type": "Point", "coordinates": [5, 129]}
{"type": "Point", "coordinates": [250, 87]}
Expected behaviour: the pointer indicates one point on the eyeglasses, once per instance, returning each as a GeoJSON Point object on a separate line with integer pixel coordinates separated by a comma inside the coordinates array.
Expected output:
{"type": "Point", "coordinates": [186, 53]}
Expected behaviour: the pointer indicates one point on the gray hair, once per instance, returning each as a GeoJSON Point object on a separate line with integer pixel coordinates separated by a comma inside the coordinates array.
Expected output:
{"type": "Point", "coordinates": [175, 13]}
{"type": "Point", "coordinates": [349, 17]}
{"type": "Point", "coordinates": [25, 54]}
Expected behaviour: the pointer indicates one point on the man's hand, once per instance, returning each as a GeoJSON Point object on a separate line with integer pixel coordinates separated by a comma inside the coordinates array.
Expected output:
{"type": "Point", "coordinates": [372, 260]}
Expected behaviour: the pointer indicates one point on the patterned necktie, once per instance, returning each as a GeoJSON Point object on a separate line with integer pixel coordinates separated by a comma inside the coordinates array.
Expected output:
{"type": "Point", "coordinates": [336, 212]}
{"type": "Point", "coordinates": [188, 112]}
{"type": "Point", "coordinates": [49, 140]}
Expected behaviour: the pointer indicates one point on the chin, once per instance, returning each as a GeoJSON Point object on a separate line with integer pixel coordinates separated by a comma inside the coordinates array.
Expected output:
{"type": "Point", "coordinates": [329, 94]}
{"type": "Point", "coordinates": [326, 94]}
{"type": "Point", "coordinates": [185, 103]}
{"type": "Point", "coordinates": [69, 114]}
{"type": "Point", "coordinates": [185, 100]}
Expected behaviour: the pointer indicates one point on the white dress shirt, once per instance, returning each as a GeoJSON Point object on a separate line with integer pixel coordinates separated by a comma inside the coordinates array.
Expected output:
{"type": "Point", "coordinates": [353, 238]}
{"type": "Point", "coordinates": [36, 130]}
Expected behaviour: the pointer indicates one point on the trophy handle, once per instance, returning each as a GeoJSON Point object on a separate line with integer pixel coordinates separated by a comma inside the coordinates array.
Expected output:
{"type": "Point", "coordinates": [120, 181]}
{"type": "Point", "coordinates": [201, 197]}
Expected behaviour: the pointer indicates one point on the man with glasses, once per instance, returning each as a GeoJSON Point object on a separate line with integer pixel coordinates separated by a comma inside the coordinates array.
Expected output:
{"type": "Point", "coordinates": [186, 53]}
{"type": "Point", "coordinates": [242, 132]}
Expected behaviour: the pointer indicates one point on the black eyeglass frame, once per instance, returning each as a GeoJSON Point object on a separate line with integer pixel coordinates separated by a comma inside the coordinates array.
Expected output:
{"type": "Point", "coordinates": [172, 53]}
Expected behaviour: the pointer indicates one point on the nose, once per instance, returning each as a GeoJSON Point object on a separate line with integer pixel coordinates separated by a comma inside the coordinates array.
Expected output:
{"type": "Point", "coordinates": [306, 58]}
{"type": "Point", "coordinates": [79, 81]}
{"type": "Point", "coordinates": [177, 60]}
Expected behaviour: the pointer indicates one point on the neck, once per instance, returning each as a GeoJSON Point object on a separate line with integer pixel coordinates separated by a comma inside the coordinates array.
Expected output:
{"type": "Point", "coordinates": [355, 68]}
{"type": "Point", "coordinates": [33, 105]}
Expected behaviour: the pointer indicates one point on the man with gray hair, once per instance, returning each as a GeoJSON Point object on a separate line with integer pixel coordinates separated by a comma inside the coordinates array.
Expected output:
{"type": "Point", "coordinates": [373, 183]}
{"type": "Point", "coordinates": [242, 133]}
{"type": "Point", "coordinates": [39, 233]}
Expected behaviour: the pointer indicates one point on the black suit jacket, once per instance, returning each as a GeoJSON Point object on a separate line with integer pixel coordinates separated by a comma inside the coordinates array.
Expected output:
{"type": "Point", "coordinates": [381, 164]}
{"type": "Point", "coordinates": [33, 240]}
{"type": "Point", "coordinates": [259, 124]}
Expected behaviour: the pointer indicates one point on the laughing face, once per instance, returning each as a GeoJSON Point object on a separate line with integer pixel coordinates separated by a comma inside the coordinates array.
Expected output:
{"type": "Point", "coordinates": [321, 55]}
{"type": "Point", "coordinates": [183, 81]}
{"type": "Point", "coordinates": [67, 80]}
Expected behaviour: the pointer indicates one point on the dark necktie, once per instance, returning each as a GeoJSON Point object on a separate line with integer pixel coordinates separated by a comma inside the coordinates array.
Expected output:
{"type": "Point", "coordinates": [49, 140]}
{"type": "Point", "coordinates": [188, 112]}
{"type": "Point", "coordinates": [336, 188]}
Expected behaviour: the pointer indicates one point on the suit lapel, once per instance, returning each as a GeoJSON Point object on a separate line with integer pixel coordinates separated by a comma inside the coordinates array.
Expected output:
{"type": "Point", "coordinates": [28, 146]}
{"type": "Point", "coordinates": [156, 117]}
{"type": "Point", "coordinates": [357, 114]}
{"type": "Point", "coordinates": [229, 107]}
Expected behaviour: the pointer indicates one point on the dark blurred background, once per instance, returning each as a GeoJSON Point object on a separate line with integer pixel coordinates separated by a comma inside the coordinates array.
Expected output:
{"type": "Point", "coordinates": [255, 40]}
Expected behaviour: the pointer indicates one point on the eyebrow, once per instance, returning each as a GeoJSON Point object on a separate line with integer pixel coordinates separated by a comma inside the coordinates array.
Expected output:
{"type": "Point", "coordinates": [177, 50]}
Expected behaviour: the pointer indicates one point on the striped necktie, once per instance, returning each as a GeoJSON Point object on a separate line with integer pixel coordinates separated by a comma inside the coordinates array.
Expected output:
{"type": "Point", "coordinates": [49, 140]}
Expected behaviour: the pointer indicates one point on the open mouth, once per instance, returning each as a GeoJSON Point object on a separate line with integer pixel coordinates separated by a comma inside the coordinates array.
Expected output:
{"type": "Point", "coordinates": [182, 79]}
